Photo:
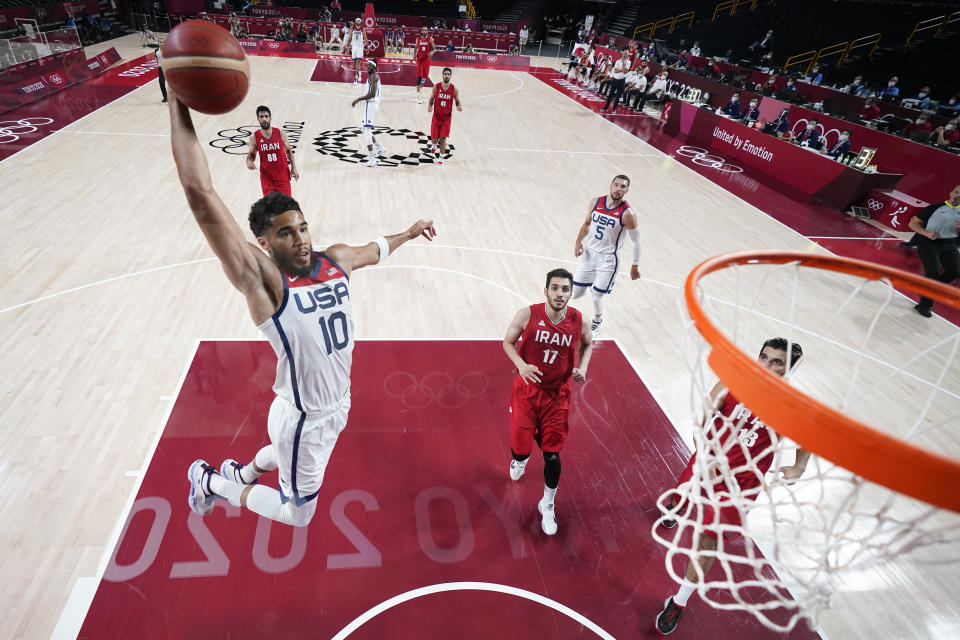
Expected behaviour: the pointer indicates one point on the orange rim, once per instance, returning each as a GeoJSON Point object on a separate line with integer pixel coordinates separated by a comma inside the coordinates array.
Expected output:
{"type": "Point", "coordinates": [822, 430]}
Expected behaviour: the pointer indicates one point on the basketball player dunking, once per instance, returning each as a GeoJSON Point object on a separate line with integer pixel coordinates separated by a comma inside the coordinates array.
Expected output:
{"type": "Point", "coordinates": [424, 47]}
{"type": "Point", "coordinates": [598, 246]}
{"type": "Point", "coordinates": [300, 299]}
{"type": "Point", "coordinates": [358, 47]}
{"type": "Point", "coordinates": [275, 153]}
{"type": "Point", "coordinates": [444, 95]}
{"type": "Point", "coordinates": [542, 342]}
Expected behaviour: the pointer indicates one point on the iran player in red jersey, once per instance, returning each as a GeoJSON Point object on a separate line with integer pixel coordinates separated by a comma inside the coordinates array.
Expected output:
{"type": "Point", "coordinates": [444, 95]}
{"type": "Point", "coordinates": [753, 449]}
{"type": "Point", "coordinates": [424, 47]}
{"type": "Point", "coordinates": [543, 341]}
{"type": "Point", "coordinates": [275, 153]}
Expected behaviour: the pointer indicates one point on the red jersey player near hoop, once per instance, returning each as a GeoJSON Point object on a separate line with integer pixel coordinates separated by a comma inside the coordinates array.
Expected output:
{"type": "Point", "coordinates": [275, 153]}
{"type": "Point", "coordinates": [444, 95]}
{"type": "Point", "coordinates": [424, 47]}
{"type": "Point", "coordinates": [542, 341]}
{"type": "Point", "coordinates": [755, 437]}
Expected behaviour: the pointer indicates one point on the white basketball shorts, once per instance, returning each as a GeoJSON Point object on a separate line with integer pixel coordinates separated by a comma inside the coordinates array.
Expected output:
{"type": "Point", "coordinates": [597, 270]}
{"type": "Point", "coordinates": [370, 110]}
{"type": "Point", "coordinates": [303, 443]}
{"type": "Point", "coordinates": [356, 51]}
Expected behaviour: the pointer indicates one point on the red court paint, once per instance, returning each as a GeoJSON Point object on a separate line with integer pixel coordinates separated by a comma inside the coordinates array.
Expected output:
{"type": "Point", "coordinates": [392, 72]}
{"type": "Point", "coordinates": [417, 493]}
{"type": "Point", "coordinates": [37, 120]}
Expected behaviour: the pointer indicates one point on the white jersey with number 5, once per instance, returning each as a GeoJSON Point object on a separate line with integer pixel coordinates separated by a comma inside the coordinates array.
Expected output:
{"type": "Point", "coordinates": [605, 235]}
{"type": "Point", "coordinates": [312, 335]}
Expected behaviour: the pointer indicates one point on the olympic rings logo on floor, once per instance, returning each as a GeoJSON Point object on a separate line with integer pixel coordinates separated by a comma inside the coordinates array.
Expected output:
{"type": "Point", "coordinates": [235, 138]}
{"type": "Point", "coordinates": [874, 204]}
{"type": "Point", "coordinates": [344, 145]}
{"type": "Point", "coordinates": [701, 157]}
{"type": "Point", "coordinates": [439, 387]}
{"type": "Point", "coordinates": [11, 130]}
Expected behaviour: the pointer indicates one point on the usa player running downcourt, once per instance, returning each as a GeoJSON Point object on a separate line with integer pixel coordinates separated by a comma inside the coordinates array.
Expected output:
{"type": "Point", "coordinates": [300, 299]}
{"type": "Point", "coordinates": [598, 246]}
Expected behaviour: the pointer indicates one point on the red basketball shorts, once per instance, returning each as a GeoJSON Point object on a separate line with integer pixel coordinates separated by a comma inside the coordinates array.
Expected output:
{"type": "Point", "coordinates": [440, 127]}
{"type": "Point", "coordinates": [729, 514]}
{"type": "Point", "coordinates": [423, 67]}
{"type": "Point", "coordinates": [272, 184]}
{"type": "Point", "coordinates": [538, 416]}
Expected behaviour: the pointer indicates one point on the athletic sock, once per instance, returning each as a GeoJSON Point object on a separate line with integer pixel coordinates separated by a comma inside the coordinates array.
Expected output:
{"type": "Point", "coordinates": [683, 595]}
{"type": "Point", "coordinates": [265, 459]}
{"type": "Point", "coordinates": [549, 494]}
{"type": "Point", "coordinates": [225, 489]}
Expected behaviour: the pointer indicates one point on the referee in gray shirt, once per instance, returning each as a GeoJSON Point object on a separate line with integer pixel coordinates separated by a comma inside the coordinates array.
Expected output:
{"type": "Point", "coordinates": [936, 228]}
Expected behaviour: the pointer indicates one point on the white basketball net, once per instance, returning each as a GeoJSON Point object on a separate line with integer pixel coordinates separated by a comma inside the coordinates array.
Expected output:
{"type": "Point", "coordinates": [867, 353]}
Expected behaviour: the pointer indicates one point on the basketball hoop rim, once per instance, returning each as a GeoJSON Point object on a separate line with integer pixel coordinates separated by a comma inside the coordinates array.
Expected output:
{"type": "Point", "coordinates": [822, 430]}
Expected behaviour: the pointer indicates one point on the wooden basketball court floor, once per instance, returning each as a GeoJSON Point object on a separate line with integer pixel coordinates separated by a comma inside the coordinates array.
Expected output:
{"type": "Point", "coordinates": [109, 286]}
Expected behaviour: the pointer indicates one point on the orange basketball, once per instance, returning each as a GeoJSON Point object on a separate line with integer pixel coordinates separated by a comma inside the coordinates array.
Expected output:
{"type": "Point", "coordinates": [206, 67]}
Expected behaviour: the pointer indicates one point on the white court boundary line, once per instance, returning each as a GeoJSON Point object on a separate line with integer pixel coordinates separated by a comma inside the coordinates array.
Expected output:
{"type": "Point", "coordinates": [56, 131]}
{"type": "Point", "coordinates": [589, 153]}
{"type": "Point", "coordinates": [84, 589]}
{"type": "Point", "coordinates": [470, 586]}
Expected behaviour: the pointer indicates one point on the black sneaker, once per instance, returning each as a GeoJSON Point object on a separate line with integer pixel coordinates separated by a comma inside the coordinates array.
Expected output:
{"type": "Point", "coordinates": [924, 311]}
{"type": "Point", "coordinates": [669, 617]}
{"type": "Point", "coordinates": [668, 523]}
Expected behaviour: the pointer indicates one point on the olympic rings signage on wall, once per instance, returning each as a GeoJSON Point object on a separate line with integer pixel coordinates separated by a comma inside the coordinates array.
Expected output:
{"type": "Point", "coordinates": [824, 133]}
{"type": "Point", "coordinates": [700, 157]}
{"type": "Point", "coordinates": [11, 130]}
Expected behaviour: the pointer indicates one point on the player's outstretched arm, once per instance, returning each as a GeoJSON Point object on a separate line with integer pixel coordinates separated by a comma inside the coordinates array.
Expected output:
{"type": "Point", "coordinates": [238, 257]}
{"type": "Point", "coordinates": [353, 258]}
{"type": "Point", "coordinates": [586, 351]}
{"type": "Point", "coordinates": [528, 372]}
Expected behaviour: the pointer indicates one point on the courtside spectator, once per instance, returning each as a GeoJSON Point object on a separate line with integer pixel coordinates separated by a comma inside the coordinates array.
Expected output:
{"type": "Point", "coordinates": [919, 130]}
{"type": "Point", "coordinates": [946, 135]}
{"type": "Point", "coordinates": [752, 113]}
{"type": "Point", "coordinates": [853, 87]}
{"type": "Point", "coordinates": [815, 76]}
{"type": "Point", "coordinates": [769, 88]}
{"type": "Point", "coordinates": [636, 85]}
{"type": "Point", "coordinates": [842, 145]}
{"type": "Point", "coordinates": [891, 90]}
{"type": "Point", "coordinates": [695, 50]}
{"type": "Point", "coordinates": [781, 125]}
{"type": "Point", "coordinates": [789, 90]}
{"type": "Point", "coordinates": [809, 137]}
{"type": "Point", "coordinates": [732, 108]}
{"type": "Point", "coordinates": [870, 110]}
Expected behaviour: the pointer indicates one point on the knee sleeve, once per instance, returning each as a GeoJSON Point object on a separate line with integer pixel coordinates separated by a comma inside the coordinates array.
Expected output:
{"type": "Point", "coordinates": [419, 81]}
{"type": "Point", "coordinates": [266, 458]}
{"type": "Point", "coordinates": [551, 469]}
{"type": "Point", "coordinates": [368, 136]}
{"type": "Point", "coordinates": [298, 516]}
{"type": "Point", "coordinates": [579, 290]}
{"type": "Point", "coordinates": [598, 303]}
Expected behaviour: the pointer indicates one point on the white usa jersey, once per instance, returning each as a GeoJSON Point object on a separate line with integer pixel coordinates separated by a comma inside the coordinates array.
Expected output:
{"type": "Point", "coordinates": [312, 335]}
{"type": "Point", "coordinates": [357, 38]}
{"type": "Point", "coordinates": [376, 94]}
{"type": "Point", "coordinates": [605, 235]}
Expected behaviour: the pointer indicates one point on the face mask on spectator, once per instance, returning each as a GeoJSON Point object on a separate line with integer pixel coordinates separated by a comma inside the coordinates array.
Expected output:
{"type": "Point", "coordinates": [949, 127]}
{"type": "Point", "coordinates": [952, 101]}
{"type": "Point", "coordinates": [921, 120]}
{"type": "Point", "coordinates": [810, 127]}
{"type": "Point", "coordinates": [753, 104]}
{"type": "Point", "coordinates": [890, 84]}
{"type": "Point", "coordinates": [922, 94]}
{"type": "Point", "coordinates": [844, 136]}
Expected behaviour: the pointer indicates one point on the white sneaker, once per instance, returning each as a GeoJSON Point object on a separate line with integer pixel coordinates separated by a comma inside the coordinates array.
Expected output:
{"type": "Point", "coordinates": [379, 152]}
{"type": "Point", "coordinates": [418, 99]}
{"type": "Point", "coordinates": [549, 521]}
{"type": "Point", "coordinates": [371, 162]}
{"type": "Point", "coordinates": [433, 149]}
{"type": "Point", "coordinates": [517, 468]}
{"type": "Point", "coordinates": [439, 161]}
{"type": "Point", "coordinates": [200, 498]}
{"type": "Point", "coordinates": [595, 326]}
{"type": "Point", "coordinates": [230, 469]}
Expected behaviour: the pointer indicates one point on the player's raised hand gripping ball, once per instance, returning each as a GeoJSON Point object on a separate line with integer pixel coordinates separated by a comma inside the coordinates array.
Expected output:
{"type": "Point", "coordinates": [206, 67]}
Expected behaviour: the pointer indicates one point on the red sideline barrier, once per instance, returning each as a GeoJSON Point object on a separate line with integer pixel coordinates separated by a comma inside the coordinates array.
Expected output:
{"type": "Point", "coordinates": [818, 176]}
{"type": "Point", "coordinates": [481, 59]}
{"type": "Point", "coordinates": [925, 169]}
{"type": "Point", "coordinates": [29, 81]}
